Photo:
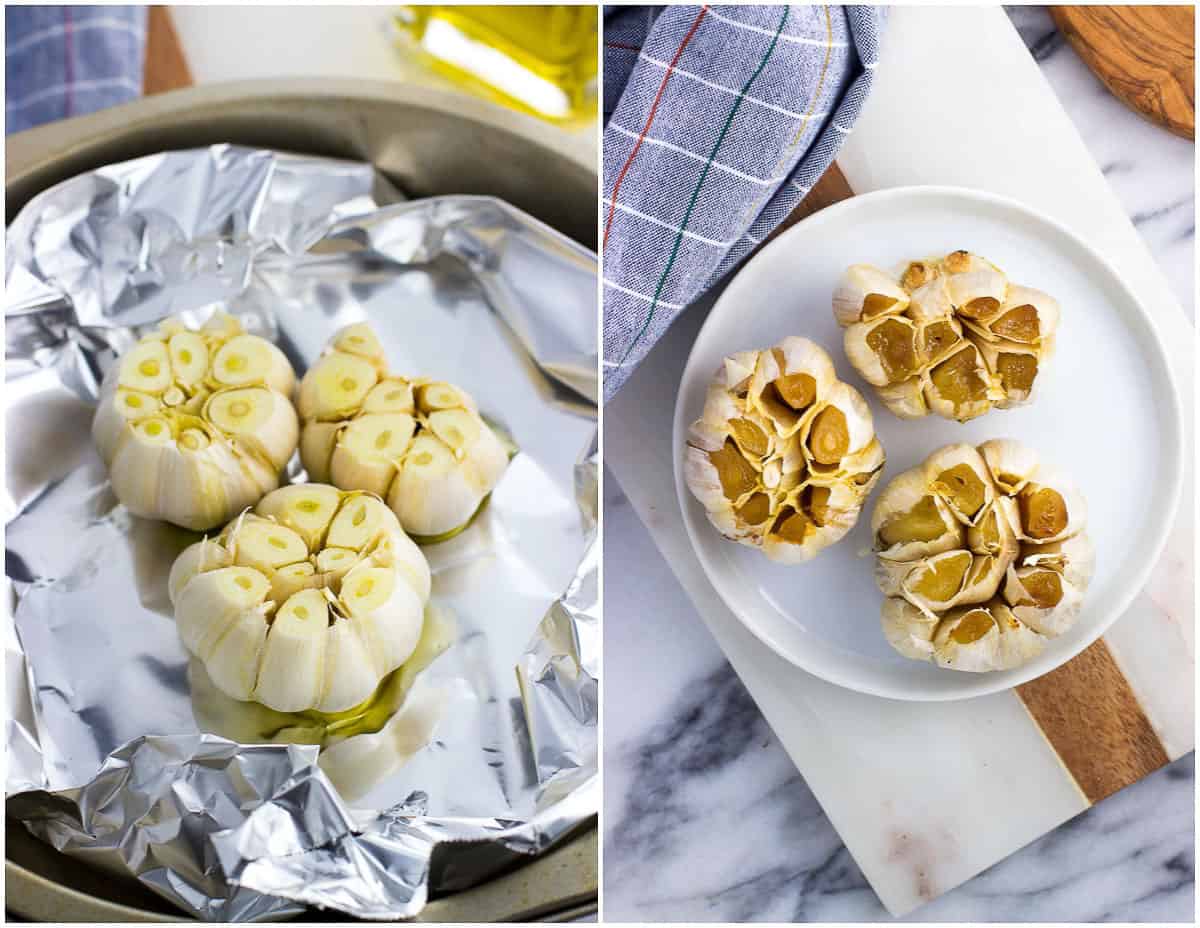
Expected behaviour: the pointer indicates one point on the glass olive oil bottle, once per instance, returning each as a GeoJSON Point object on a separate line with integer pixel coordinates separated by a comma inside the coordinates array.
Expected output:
{"type": "Point", "coordinates": [540, 59]}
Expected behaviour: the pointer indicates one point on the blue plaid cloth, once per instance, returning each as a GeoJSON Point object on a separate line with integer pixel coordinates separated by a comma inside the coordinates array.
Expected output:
{"type": "Point", "coordinates": [65, 61]}
{"type": "Point", "coordinates": [718, 120]}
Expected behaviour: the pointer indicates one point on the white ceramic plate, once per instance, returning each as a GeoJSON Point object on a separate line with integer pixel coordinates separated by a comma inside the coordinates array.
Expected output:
{"type": "Point", "coordinates": [1107, 412]}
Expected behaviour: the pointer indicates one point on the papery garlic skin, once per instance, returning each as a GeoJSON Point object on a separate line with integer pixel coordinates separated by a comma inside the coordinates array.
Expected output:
{"type": "Point", "coordinates": [194, 426]}
{"type": "Point", "coordinates": [982, 555]}
{"type": "Point", "coordinates": [784, 454]}
{"type": "Point", "coordinates": [277, 620]}
{"type": "Point", "coordinates": [950, 336]}
{"type": "Point", "coordinates": [419, 444]}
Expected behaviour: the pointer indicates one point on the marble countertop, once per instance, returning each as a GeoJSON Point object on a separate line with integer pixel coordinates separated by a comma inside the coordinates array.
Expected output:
{"type": "Point", "coordinates": [706, 817]}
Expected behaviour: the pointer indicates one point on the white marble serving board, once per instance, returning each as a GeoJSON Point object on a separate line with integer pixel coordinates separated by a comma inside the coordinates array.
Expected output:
{"type": "Point", "coordinates": [926, 796]}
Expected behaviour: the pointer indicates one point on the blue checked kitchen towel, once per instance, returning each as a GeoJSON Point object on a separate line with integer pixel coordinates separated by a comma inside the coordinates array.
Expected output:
{"type": "Point", "coordinates": [718, 120]}
{"type": "Point", "coordinates": [65, 61]}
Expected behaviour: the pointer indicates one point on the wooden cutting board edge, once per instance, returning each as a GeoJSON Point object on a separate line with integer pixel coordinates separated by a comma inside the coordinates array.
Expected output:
{"type": "Point", "coordinates": [1145, 55]}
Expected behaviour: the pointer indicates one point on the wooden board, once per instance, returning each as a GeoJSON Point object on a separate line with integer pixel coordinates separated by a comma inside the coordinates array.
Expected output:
{"type": "Point", "coordinates": [166, 66]}
{"type": "Point", "coordinates": [1146, 55]}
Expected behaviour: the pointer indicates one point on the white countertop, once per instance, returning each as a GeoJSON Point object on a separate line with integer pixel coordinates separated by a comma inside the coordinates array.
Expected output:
{"type": "Point", "coordinates": [706, 817]}
{"type": "Point", "coordinates": [246, 42]}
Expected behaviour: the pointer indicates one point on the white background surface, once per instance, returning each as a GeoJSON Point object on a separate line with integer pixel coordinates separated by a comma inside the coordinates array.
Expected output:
{"type": "Point", "coordinates": [707, 817]}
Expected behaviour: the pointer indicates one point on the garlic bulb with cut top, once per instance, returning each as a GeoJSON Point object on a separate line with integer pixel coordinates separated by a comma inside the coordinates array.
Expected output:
{"type": "Point", "coordinates": [196, 425]}
{"type": "Point", "coordinates": [949, 335]}
{"type": "Point", "coordinates": [419, 444]}
{"type": "Point", "coordinates": [784, 454]}
{"type": "Point", "coordinates": [306, 602]}
{"type": "Point", "coordinates": [982, 554]}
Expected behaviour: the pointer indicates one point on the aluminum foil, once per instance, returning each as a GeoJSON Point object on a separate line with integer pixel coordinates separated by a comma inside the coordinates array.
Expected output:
{"type": "Point", "coordinates": [120, 750]}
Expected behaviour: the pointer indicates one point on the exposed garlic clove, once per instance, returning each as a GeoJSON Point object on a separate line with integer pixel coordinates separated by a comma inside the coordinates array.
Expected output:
{"type": "Point", "coordinates": [392, 395]}
{"type": "Point", "coordinates": [960, 386]}
{"type": "Point", "coordinates": [1042, 599]}
{"type": "Point", "coordinates": [958, 474]}
{"type": "Point", "coordinates": [244, 360]}
{"type": "Point", "coordinates": [865, 292]}
{"type": "Point", "coordinates": [1028, 317]}
{"type": "Point", "coordinates": [305, 508]}
{"type": "Point", "coordinates": [1074, 558]}
{"type": "Point", "coordinates": [208, 604]}
{"type": "Point", "coordinates": [838, 427]}
{"type": "Point", "coordinates": [883, 351]}
{"type": "Point", "coordinates": [334, 388]}
{"type": "Point", "coordinates": [292, 578]}
{"type": "Point", "coordinates": [937, 339]}
{"type": "Point", "coordinates": [369, 450]}
{"type": "Point", "coordinates": [220, 326]}
{"type": "Point", "coordinates": [935, 583]}
{"type": "Point", "coordinates": [1014, 368]}
{"type": "Point", "coordinates": [260, 421]}
{"type": "Point", "coordinates": [196, 425]}
{"type": "Point", "coordinates": [977, 295]}
{"type": "Point", "coordinates": [360, 339]}
{"type": "Point", "coordinates": [431, 494]}
{"type": "Point", "coordinates": [787, 381]}
{"type": "Point", "coordinates": [388, 613]}
{"type": "Point", "coordinates": [910, 521]}
{"type": "Point", "coordinates": [968, 639]}
{"type": "Point", "coordinates": [263, 543]}
{"type": "Point", "coordinates": [1051, 508]}
{"type": "Point", "coordinates": [812, 517]}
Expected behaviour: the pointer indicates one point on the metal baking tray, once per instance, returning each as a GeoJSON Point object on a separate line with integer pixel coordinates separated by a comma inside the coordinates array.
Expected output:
{"type": "Point", "coordinates": [428, 143]}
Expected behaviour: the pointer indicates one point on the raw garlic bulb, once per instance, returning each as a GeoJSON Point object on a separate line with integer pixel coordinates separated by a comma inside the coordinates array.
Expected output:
{"type": "Point", "coordinates": [949, 336]}
{"type": "Point", "coordinates": [419, 444]}
{"type": "Point", "coordinates": [983, 556]}
{"type": "Point", "coordinates": [307, 602]}
{"type": "Point", "coordinates": [784, 453]}
{"type": "Point", "coordinates": [194, 426]}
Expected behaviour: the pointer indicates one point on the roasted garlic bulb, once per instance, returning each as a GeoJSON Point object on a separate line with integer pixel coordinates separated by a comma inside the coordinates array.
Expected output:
{"type": "Point", "coordinates": [983, 556]}
{"type": "Point", "coordinates": [784, 453]}
{"type": "Point", "coordinates": [307, 602]}
{"type": "Point", "coordinates": [419, 444]}
{"type": "Point", "coordinates": [951, 335]}
{"type": "Point", "coordinates": [194, 426]}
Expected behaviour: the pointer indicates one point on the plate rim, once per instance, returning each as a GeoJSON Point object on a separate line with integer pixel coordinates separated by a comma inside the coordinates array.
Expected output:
{"type": "Point", "coordinates": [976, 684]}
